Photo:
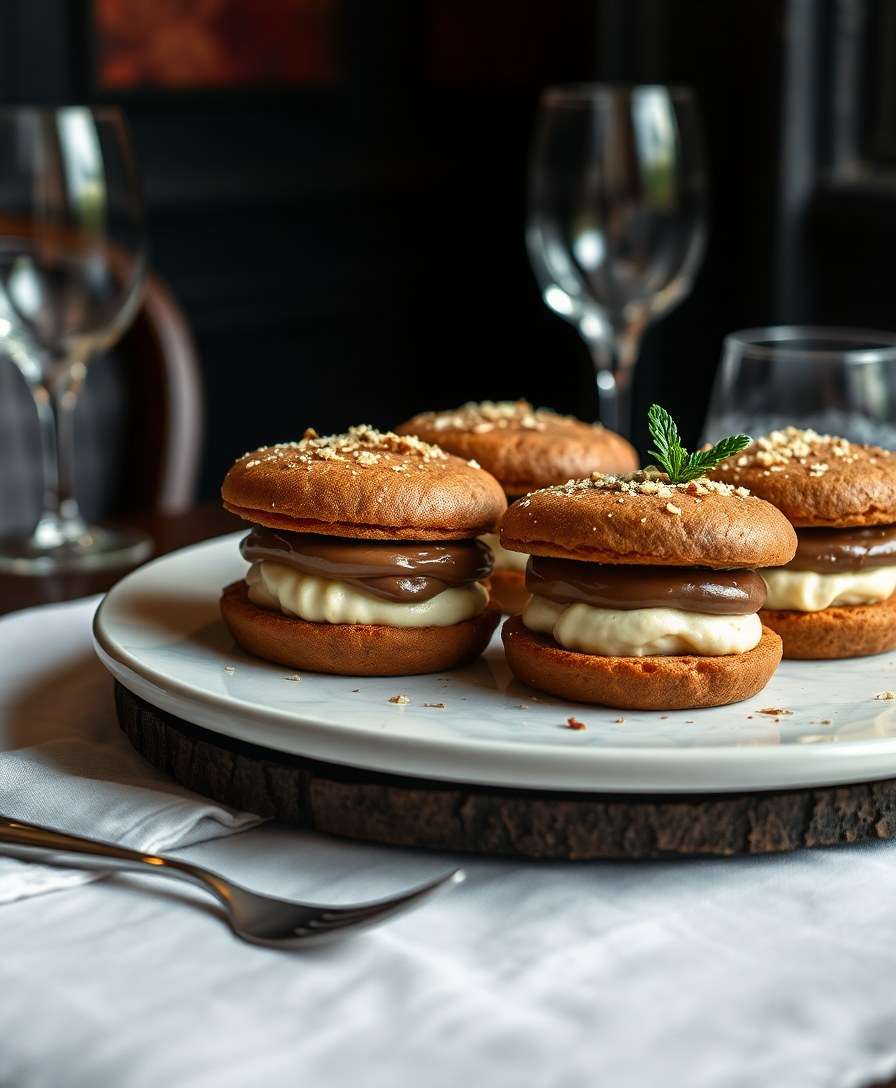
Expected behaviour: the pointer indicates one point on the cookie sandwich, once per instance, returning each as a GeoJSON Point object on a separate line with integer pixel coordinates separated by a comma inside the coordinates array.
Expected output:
{"type": "Point", "coordinates": [524, 448]}
{"type": "Point", "coordinates": [364, 554]}
{"type": "Point", "coordinates": [835, 598]}
{"type": "Point", "coordinates": [644, 587]}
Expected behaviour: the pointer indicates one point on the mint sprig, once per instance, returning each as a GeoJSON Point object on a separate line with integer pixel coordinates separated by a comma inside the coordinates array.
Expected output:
{"type": "Point", "coordinates": [669, 454]}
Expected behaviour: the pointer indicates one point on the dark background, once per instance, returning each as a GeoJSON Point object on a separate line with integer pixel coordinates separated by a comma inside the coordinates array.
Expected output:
{"type": "Point", "coordinates": [350, 247]}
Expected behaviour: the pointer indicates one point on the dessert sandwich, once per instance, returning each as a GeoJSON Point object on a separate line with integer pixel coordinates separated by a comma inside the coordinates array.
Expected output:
{"type": "Point", "coordinates": [524, 448]}
{"type": "Point", "coordinates": [835, 598]}
{"type": "Point", "coordinates": [364, 554]}
{"type": "Point", "coordinates": [644, 587]}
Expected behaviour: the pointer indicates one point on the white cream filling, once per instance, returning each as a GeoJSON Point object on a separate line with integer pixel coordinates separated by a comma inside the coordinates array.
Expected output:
{"type": "Point", "coordinates": [504, 559]}
{"type": "Point", "coordinates": [283, 588]}
{"type": "Point", "coordinates": [807, 591]}
{"type": "Point", "coordinates": [641, 632]}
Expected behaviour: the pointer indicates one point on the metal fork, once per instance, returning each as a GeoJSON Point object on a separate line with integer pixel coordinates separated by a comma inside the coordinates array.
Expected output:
{"type": "Point", "coordinates": [259, 919]}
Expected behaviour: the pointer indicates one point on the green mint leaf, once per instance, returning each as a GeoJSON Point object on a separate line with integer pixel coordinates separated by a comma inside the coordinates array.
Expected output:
{"type": "Point", "coordinates": [727, 447]}
{"type": "Point", "coordinates": [669, 454]}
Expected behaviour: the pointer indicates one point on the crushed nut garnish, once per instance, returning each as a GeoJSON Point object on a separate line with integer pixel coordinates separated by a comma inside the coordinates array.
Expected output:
{"type": "Point", "coordinates": [646, 481]}
{"type": "Point", "coordinates": [230, 668]}
{"type": "Point", "coordinates": [774, 711]}
{"type": "Point", "coordinates": [295, 677]}
{"type": "Point", "coordinates": [489, 415]}
{"type": "Point", "coordinates": [362, 445]}
{"type": "Point", "coordinates": [436, 706]}
{"type": "Point", "coordinates": [885, 695]}
{"type": "Point", "coordinates": [673, 509]}
{"type": "Point", "coordinates": [618, 721]}
{"type": "Point", "coordinates": [574, 723]}
{"type": "Point", "coordinates": [400, 700]}
{"type": "Point", "coordinates": [805, 447]}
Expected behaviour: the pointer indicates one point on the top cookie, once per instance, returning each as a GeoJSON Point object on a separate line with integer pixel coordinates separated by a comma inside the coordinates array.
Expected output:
{"type": "Point", "coordinates": [367, 484]}
{"type": "Point", "coordinates": [644, 519]}
{"type": "Point", "coordinates": [817, 479]}
{"type": "Point", "coordinates": [524, 447]}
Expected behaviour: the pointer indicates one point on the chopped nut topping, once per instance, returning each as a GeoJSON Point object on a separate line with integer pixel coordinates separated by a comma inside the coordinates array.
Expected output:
{"type": "Point", "coordinates": [795, 446]}
{"type": "Point", "coordinates": [400, 700]}
{"type": "Point", "coordinates": [673, 509]}
{"type": "Point", "coordinates": [774, 711]}
{"type": "Point", "coordinates": [361, 445]}
{"type": "Point", "coordinates": [436, 706]}
{"type": "Point", "coordinates": [490, 415]}
{"type": "Point", "coordinates": [885, 695]}
{"type": "Point", "coordinates": [574, 723]}
{"type": "Point", "coordinates": [295, 677]}
{"type": "Point", "coordinates": [643, 482]}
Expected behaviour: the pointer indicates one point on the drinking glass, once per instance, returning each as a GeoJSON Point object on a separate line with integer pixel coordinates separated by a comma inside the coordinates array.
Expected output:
{"type": "Point", "coordinates": [617, 218]}
{"type": "Point", "coordinates": [72, 265]}
{"type": "Point", "coordinates": [836, 381]}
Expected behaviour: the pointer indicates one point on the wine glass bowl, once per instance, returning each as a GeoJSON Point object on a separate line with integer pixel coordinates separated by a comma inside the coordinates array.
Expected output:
{"type": "Point", "coordinates": [72, 267]}
{"type": "Point", "coordinates": [832, 380]}
{"type": "Point", "coordinates": [617, 217]}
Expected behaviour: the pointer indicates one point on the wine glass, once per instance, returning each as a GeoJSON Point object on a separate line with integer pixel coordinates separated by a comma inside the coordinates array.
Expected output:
{"type": "Point", "coordinates": [836, 381]}
{"type": "Point", "coordinates": [617, 218]}
{"type": "Point", "coordinates": [72, 265]}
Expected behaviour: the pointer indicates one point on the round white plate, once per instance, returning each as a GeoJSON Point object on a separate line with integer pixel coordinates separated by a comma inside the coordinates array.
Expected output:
{"type": "Point", "coordinates": [159, 632]}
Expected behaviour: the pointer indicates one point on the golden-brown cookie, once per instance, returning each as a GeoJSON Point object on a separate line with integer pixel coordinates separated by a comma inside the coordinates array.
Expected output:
{"type": "Point", "coordinates": [353, 649]}
{"type": "Point", "coordinates": [639, 683]}
{"type": "Point", "coordinates": [524, 447]}
{"type": "Point", "coordinates": [644, 519]}
{"type": "Point", "coordinates": [366, 484]}
{"type": "Point", "coordinates": [817, 480]}
{"type": "Point", "coordinates": [841, 631]}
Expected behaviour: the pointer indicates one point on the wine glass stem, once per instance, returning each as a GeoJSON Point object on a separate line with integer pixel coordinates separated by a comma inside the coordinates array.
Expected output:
{"type": "Point", "coordinates": [55, 398]}
{"type": "Point", "coordinates": [613, 365]}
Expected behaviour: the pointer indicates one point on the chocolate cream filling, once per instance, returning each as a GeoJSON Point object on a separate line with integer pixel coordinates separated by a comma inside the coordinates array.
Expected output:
{"type": "Point", "coordinates": [831, 551]}
{"type": "Point", "coordinates": [691, 589]}
{"type": "Point", "coordinates": [394, 570]}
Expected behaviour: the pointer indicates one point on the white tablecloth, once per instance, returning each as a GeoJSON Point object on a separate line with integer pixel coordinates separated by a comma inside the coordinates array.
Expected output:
{"type": "Point", "coordinates": [757, 972]}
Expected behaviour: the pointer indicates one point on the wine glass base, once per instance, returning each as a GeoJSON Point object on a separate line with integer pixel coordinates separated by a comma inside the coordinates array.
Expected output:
{"type": "Point", "coordinates": [93, 549]}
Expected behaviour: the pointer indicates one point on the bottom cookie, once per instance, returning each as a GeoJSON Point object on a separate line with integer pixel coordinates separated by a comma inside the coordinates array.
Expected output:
{"type": "Point", "coordinates": [849, 631]}
{"type": "Point", "coordinates": [639, 683]}
{"type": "Point", "coordinates": [352, 649]}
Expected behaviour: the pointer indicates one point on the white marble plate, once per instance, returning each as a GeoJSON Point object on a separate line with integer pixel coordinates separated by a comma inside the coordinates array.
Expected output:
{"type": "Point", "coordinates": [158, 632]}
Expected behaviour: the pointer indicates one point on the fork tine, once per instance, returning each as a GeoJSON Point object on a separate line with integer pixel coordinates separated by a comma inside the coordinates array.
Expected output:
{"type": "Point", "coordinates": [332, 920]}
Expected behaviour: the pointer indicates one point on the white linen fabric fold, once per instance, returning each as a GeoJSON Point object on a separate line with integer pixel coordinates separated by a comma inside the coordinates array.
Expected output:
{"type": "Point", "coordinates": [64, 762]}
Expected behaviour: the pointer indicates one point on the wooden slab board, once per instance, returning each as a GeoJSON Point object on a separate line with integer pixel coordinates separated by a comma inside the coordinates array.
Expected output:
{"type": "Point", "coordinates": [401, 811]}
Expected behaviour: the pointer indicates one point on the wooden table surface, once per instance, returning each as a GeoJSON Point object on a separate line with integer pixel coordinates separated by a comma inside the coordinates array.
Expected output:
{"type": "Point", "coordinates": [168, 532]}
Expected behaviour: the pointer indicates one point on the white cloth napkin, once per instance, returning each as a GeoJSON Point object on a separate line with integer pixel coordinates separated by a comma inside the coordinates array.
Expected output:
{"type": "Point", "coordinates": [64, 762]}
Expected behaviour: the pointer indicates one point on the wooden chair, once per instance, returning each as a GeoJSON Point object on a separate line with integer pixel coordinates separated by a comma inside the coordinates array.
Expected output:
{"type": "Point", "coordinates": [139, 424]}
